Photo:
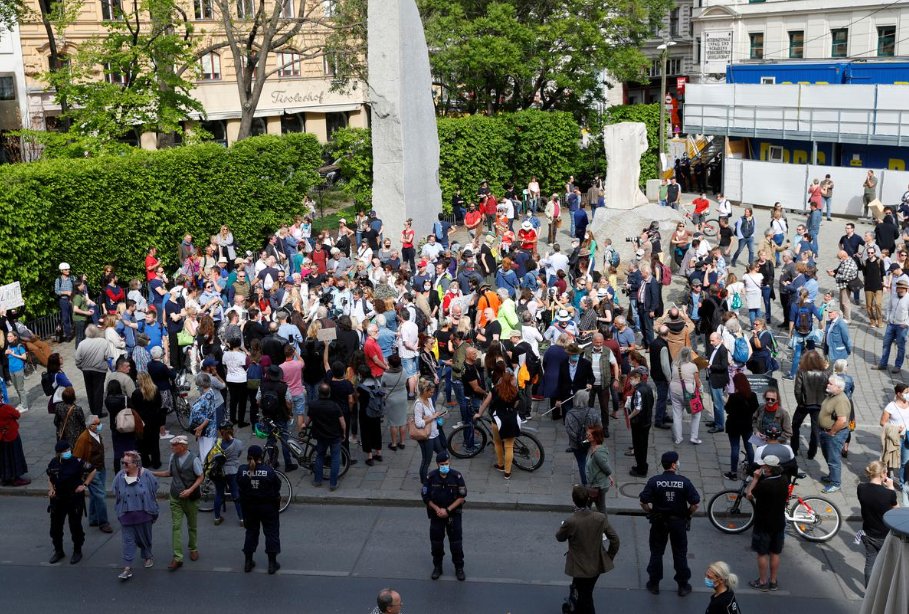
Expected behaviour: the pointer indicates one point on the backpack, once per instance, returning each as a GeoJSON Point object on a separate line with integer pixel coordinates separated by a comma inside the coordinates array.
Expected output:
{"type": "Point", "coordinates": [437, 231]}
{"type": "Point", "coordinates": [420, 320]}
{"type": "Point", "coordinates": [49, 383]}
{"type": "Point", "coordinates": [215, 461]}
{"type": "Point", "coordinates": [270, 406]}
{"type": "Point", "coordinates": [736, 301]}
{"type": "Point", "coordinates": [376, 406]}
{"type": "Point", "coordinates": [804, 322]}
{"type": "Point", "coordinates": [612, 257]}
{"type": "Point", "coordinates": [666, 275]}
{"type": "Point", "coordinates": [740, 350]}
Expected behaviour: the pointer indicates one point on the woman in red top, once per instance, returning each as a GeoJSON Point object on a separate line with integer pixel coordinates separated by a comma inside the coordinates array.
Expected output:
{"type": "Point", "coordinates": [12, 458]}
{"type": "Point", "coordinates": [814, 194]}
{"type": "Point", "coordinates": [408, 253]}
{"type": "Point", "coordinates": [528, 237]}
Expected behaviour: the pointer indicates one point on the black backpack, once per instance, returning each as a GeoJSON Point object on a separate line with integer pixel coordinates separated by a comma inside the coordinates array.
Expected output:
{"type": "Point", "coordinates": [271, 401]}
{"type": "Point", "coordinates": [49, 383]}
{"type": "Point", "coordinates": [376, 406]}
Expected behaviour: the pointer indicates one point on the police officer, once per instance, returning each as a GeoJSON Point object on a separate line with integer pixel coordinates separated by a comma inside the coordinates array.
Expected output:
{"type": "Point", "coordinates": [670, 500]}
{"type": "Point", "coordinates": [260, 498]}
{"type": "Point", "coordinates": [444, 493]}
{"type": "Point", "coordinates": [68, 479]}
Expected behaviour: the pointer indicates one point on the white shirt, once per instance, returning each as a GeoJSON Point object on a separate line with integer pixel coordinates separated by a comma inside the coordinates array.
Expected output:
{"type": "Point", "coordinates": [235, 363]}
{"type": "Point", "coordinates": [555, 262]}
{"type": "Point", "coordinates": [532, 336]}
{"type": "Point", "coordinates": [431, 251]}
{"type": "Point", "coordinates": [509, 208]}
{"type": "Point", "coordinates": [410, 336]}
{"type": "Point", "coordinates": [898, 415]}
{"type": "Point", "coordinates": [724, 208]}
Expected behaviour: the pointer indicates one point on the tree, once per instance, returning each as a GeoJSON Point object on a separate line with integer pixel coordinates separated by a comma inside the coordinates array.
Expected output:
{"type": "Point", "coordinates": [294, 31]}
{"type": "Point", "coordinates": [138, 89]}
{"type": "Point", "coordinates": [11, 13]}
{"type": "Point", "coordinates": [504, 55]}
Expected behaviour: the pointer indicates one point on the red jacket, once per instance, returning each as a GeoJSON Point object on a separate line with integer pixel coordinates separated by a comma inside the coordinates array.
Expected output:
{"type": "Point", "coordinates": [9, 423]}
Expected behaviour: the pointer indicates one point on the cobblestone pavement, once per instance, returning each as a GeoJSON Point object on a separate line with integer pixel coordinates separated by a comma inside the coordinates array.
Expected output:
{"type": "Point", "coordinates": [396, 479]}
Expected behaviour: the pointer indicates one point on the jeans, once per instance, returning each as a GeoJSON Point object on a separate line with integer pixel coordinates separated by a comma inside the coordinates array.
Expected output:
{"type": "Point", "coordinates": [465, 405]}
{"type": "Point", "coordinates": [894, 333]}
{"type": "Point", "coordinates": [428, 447]}
{"type": "Point", "coordinates": [662, 396]}
{"type": "Point", "coordinates": [779, 240]}
{"type": "Point", "coordinates": [734, 451]}
{"type": "Point", "coordinates": [802, 412]}
{"type": "Point", "coordinates": [719, 408]}
{"type": "Point", "coordinates": [231, 480]}
{"type": "Point", "coordinates": [797, 354]}
{"type": "Point", "coordinates": [827, 200]}
{"type": "Point", "coordinates": [831, 446]}
{"type": "Point", "coordinates": [765, 294]}
{"type": "Point", "coordinates": [283, 432]}
{"type": "Point", "coordinates": [445, 378]}
{"type": "Point", "coordinates": [753, 314]}
{"type": "Point", "coordinates": [872, 547]}
{"type": "Point", "coordinates": [178, 509]}
{"type": "Point", "coordinates": [321, 446]}
{"type": "Point", "coordinates": [580, 455]}
{"type": "Point", "coordinates": [97, 508]}
{"type": "Point", "coordinates": [66, 315]}
{"type": "Point", "coordinates": [743, 243]}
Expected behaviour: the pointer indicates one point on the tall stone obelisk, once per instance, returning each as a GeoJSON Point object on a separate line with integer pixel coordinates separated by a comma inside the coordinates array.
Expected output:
{"type": "Point", "coordinates": [405, 140]}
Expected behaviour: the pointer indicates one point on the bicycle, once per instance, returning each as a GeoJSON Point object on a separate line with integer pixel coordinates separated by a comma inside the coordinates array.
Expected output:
{"type": "Point", "coordinates": [528, 451]}
{"type": "Point", "coordinates": [302, 449]}
{"type": "Point", "coordinates": [709, 228]}
{"type": "Point", "coordinates": [207, 488]}
{"type": "Point", "coordinates": [180, 405]}
{"type": "Point", "coordinates": [815, 519]}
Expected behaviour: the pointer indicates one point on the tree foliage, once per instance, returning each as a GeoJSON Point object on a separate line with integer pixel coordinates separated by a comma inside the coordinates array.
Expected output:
{"type": "Point", "coordinates": [122, 83]}
{"type": "Point", "coordinates": [507, 147]}
{"type": "Point", "coordinates": [11, 13]}
{"type": "Point", "coordinates": [90, 212]}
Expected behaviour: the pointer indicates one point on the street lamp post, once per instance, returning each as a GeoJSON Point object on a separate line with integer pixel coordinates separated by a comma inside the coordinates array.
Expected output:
{"type": "Point", "coordinates": [664, 55]}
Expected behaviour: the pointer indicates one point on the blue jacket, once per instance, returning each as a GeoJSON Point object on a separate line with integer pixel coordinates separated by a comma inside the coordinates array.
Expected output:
{"type": "Point", "coordinates": [138, 496]}
{"type": "Point", "coordinates": [836, 340]}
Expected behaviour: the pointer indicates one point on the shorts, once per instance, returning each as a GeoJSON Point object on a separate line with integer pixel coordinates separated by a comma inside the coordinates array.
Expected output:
{"type": "Point", "coordinates": [411, 366]}
{"type": "Point", "coordinates": [698, 218]}
{"type": "Point", "coordinates": [767, 543]}
{"type": "Point", "coordinates": [299, 402]}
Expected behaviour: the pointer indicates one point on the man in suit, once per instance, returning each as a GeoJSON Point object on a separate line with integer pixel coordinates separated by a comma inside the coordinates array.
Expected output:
{"type": "Point", "coordinates": [586, 558]}
{"type": "Point", "coordinates": [718, 377]}
{"type": "Point", "coordinates": [837, 343]}
{"type": "Point", "coordinates": [650, 297]}
{"type": "Point", "coordinates": [574, 374]}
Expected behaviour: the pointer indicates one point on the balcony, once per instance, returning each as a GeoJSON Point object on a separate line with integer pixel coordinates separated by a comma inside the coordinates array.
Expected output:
{"type": "Point", "coordinates": [864, 114]}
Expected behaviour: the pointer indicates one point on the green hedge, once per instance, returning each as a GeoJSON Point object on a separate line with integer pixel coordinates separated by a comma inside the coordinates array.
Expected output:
{"type": "Point", "coordinates": [94, 211]}
{"type": "Point", "coordinates": [506, 147]}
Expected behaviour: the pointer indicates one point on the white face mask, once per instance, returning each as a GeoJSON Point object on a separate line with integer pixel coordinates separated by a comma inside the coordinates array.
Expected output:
{"type": "Point", "coordinates": [131, 479]}
{"type": "Point", "coordinates": [906, 396]}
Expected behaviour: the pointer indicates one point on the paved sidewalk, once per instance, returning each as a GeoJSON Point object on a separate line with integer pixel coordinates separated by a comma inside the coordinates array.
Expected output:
{"type": "Point", "coordinates": [396, 480]}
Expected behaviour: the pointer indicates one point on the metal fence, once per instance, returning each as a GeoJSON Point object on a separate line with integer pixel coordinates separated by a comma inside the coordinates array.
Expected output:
{"type": "Point", "coordinates": [45, 326]}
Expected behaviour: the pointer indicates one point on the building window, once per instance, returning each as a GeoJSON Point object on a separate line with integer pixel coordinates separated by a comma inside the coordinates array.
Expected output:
{"type": "Point", "coordinates": [287, 9]}
{"type": "Point", "coordinates": [797, 44]}
{"type": "Point", "coordinates": [886, 41]}
{"type": "Point", "coordinates": [204, 9]}
{"type": "Point", "coordinates": [63, 63]}
{"type": "Point", "coordinates": [674, 19]}
{"type": "Point", "coordinates": [757, 45]}
{"type": "Point", "coordinates": [840, 42]}
{"type": "Point", "coordinates": [673, 67]}
{"type": "Point", "coordinates": [775, 154]}
{"type": "Point", "coordinates": [211, 67]}
{"type": "Point", "coordinates": [7, 88]}
{"type": "Point", "coordinates": [289, 64]}
{"type": "Point", "coordinates": [245, 9]}
{"type": "Point", "coordinates": [258, 127]}
{"type": "Point", "coordinates": [110, 10]}
{"type": "Point", "coordinates": [329, 8]}
{"type": "Point", "coordinates": [217, 131]}
{"type": "Point", "coordinates": [112, 75]}
{"type": "Point", "coordinates": [333, 121]}
{"type": "Point", "coordinates": [768, 80]}
{"type": "Point", "coordinates": [293, 123]}
{"type": "Point", "coordinates": [330, 64]}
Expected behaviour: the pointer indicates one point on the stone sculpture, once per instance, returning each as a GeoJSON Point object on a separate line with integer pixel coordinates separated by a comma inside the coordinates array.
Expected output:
{"type": "Point", "coordinates": [405, 140]}
{"type": "Point", "coordinates": [624, 144]}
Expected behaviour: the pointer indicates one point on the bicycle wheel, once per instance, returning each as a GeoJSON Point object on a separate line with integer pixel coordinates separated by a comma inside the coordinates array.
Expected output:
{"type": "Point", "coordinates": [710, 228]}
{"type": "Point", "coordinates": [528, 452]}
{"type": "Point", "coordinates": [456, 442]}
{"type": "Point", "coordinates": [181, 409]}
{"type": "Point", "coordinates": [815, 518]}
{"type": "Point", "coordinates": [287, 491]}
{"type": "Point", "coordinates": [207, 502]}
{"type": "Point", "coordinates": [730, 512]}
{"type": "Point", "coordinates": [310, 462]}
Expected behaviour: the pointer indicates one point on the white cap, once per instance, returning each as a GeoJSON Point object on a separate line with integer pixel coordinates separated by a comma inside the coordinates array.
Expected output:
{"type": "Point", "coordinates": [563, 315]}
{"type": "Point", "coordinates": [64, 266]}
{"type": "Point", "coordinates": [527, 225]}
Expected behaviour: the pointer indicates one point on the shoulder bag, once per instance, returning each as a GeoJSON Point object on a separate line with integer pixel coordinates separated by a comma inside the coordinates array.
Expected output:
{"type": "Point", "coordinates": [691, 401]}
{"type": "Point", "coordinates": [416, 433]}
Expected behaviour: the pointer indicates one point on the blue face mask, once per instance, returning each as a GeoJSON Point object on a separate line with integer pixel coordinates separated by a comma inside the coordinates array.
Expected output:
{"type": "Point", "coordinates": [66, 455]}
{"type": "Point", "coordinates": [444, 469]}
{"type": "Point", "coordinates": [709, 583]}
{"type": "Point", "coordinates": [99, 428]}
{"type": "Point", "coordinates": [574, 361]}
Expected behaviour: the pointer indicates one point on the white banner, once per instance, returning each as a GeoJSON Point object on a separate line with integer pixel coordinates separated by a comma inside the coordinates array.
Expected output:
{"type": "Point", "coordinates": [11, 296]}
{"type": "Point", "coordinates": [717, 51]}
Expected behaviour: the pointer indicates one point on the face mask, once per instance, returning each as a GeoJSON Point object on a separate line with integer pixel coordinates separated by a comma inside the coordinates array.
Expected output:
{"type": "Point", "coordinates": [131, 479]}
{"type": "Point", "coordinates": [99, 428]}
{"type": "Point", "coordinates": [709, 583]}
{"type": "Point", "coordinates": [574, 360]}
{"type": "Point", "coordinates": [427, 287]}
{"type": "Point", "coordinates": [66, 455]}
{"type": "Point", "coordinates": [906, 396]}
{"type": "Point", "coordinates": [678, 467]}
{"type": "Point", "coordinates": [444, 469]}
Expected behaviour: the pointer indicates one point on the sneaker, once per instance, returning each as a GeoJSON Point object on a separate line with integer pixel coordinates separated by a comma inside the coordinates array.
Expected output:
{"type": "Point", "coordinates": [715, 429]}
{"type": "Point", "coordinates": [653, 587]}
{"type": "Point", "coordinates": [629, 452]}
{"type": "Point", "coordinates": [696, 442]}
{"type": "Point", "coordinates": [787, 376]}
{"type": "Point", "coordinates": [677, 441]}
{"type": "Point", "coordinates": [126, 574]}
{"type": "Point", "coordinates": [218, 521]}
{"type": "Point", "coordinates": [166, 435]}
{"type": "Point", "coordinates": [507, 475]}
{"type": "Point", "coordinates": [685, 589]}
{"type": "Point", "coordinates": [760, 586]}
{"type": "Point", "coordinates": [149, 563]}
{"type": "Point", "coordinates": [832, 488]}
{"type": "Point", "coordinates": [21, 409]}
{"type": "Point", "coordinates": [731, 475]}
{"type": "Point", "coordinates": [772, 586]}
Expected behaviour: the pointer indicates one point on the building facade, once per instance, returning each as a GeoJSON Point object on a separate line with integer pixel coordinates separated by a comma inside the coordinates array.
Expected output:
{"type": "Point", "coordinates": [297, 96]}
{"type": "Point", "coordinates": [13, 101]}
{"type": "Point", "coordinates": [760, 31]}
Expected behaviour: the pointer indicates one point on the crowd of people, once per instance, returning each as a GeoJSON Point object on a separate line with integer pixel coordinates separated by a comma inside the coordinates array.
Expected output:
{"type": "Point", "coordinates": [366, 335]}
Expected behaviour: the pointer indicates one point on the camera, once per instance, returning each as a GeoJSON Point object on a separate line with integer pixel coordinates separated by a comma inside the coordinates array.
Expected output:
{"type": "Point", "coordinates": [635, 240]}
{"type": "Point", "coordinates": [626, 290]}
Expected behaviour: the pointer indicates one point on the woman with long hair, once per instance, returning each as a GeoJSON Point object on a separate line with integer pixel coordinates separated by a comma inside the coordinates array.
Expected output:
{"type": "Point", "coordinates": [684, 375]}
{"type": "Point", "coordinates": [810, 392]}
{"type": "Point", "coordinates": [424, 413]}
{"type": "Point", "coordinates": [740, 409]}
{"type": "Point", "coordinates": [226, 249]}
{"type": "Point", "coordinates": [370, 425]}
{"type": "Point", "coordinates": [598, 469]}
{"type": "Point", "coordinates": [116, 401]}
{"type": "Point", "coordinates": [146, 400]}
{"type": "Point", "coordinates": [896, 415]}
{"type": "Point", "coordinates": [503, 405]}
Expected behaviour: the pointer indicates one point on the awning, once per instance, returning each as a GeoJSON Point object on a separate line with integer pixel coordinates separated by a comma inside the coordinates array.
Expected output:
{"type": "Point", "coordinates": [329, 108]}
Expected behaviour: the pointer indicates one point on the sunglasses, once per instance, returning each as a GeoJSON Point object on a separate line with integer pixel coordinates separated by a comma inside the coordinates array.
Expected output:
{"type": "Point", "coordinates": [770, 399]}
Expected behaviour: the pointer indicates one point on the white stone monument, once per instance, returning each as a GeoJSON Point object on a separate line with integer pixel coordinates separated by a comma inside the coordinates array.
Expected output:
{"type": "Point", "coordinates": [624, 144]}
{"type": "Point", "coordinates": [405, 140]}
